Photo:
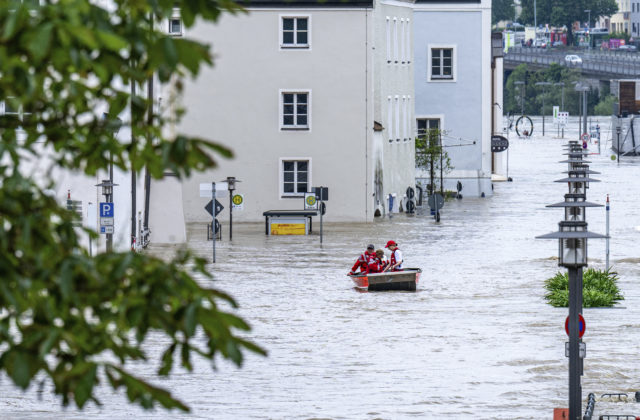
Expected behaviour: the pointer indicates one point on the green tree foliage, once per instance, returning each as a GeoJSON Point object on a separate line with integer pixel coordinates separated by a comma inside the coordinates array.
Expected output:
{"type": "Point", "coordinates": [566, 12]}
{"type": "Point", "coordinates": [605, 107]}
{"type": "Point", "coordinates": [431, 156]}
{"type": "Point", "coordinates": [502, 10]}
{"type": "Point", "coordinates": [532, 94]}
{"type": "Point", "coordinates": [67, 318]}
{"type": "Point", "coordinates": [599, 289]}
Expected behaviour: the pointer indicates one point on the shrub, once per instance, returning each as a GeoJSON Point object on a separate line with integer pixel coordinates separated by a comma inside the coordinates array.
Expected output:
{"type": "Point", "coordinates": [599, 289]}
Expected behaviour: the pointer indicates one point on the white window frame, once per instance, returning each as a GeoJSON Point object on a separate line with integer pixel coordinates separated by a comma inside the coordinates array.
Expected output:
{"type": "Point", "coordinates": [395, 39]}
{"type": "Point", "coordinates": [390, 118]}
{"type": "Point", "coordinates": [295, 45]}
{"type": "Point", "coordinates": [284, 195]}
{"type": "Point", "coordinates": [402, 41]}
{"type": "Point", "coordinates": [388, 39]}
{"type": "Point", "coordinates": [454, 63]}
{"type": "Point", "coordinates": [293, 127]}
{"type": "Point", "coordinates": [175, 15]}
{"type": "Point", "coordinates": [397, 118]}
{"type": "Point", "coordinates": [408, 44]}
{"type": "Point", "coordinates": [439, 117]}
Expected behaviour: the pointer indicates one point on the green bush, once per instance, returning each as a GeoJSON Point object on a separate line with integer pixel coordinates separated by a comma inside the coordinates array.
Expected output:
{"type": "Point", "coordinates": [599, 289]}
{"type": "Point", "coordinates": [605, 107]}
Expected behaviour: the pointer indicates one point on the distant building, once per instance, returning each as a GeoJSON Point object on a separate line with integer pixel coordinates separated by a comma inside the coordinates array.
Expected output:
{"type": "Point", "coordinates": [453, 87]}
{"type": "Point", "coordinates": [307, 94]}
{"type": "Point", "coordinates": [620, 22]}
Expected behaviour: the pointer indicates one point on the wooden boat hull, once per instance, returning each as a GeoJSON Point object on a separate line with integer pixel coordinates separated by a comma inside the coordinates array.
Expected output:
{"type": "Point", "coordinates": [395, 280]}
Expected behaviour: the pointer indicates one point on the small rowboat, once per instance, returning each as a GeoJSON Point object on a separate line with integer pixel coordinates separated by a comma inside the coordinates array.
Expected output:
{"type": "Point", "coordinates": [406, 279]}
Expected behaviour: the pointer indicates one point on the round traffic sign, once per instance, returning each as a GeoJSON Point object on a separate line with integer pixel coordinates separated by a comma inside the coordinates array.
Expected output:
{"type": "Point", "coordinates": [585, 137]}
{"type": "Point", "coordinates": [435, 201]}
{"type": "Point", "coordinates": [311, 200]}
{"type": "Point", "coordinates": [582, 327]}
{"type": "Point", "coordinates": [237, 199]}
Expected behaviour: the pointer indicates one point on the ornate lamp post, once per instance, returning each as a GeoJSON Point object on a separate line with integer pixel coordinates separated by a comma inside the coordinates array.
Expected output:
{"type": "Point", "coordinates": [572, 238]}
{"type": "Point", "coordinates": [231, 186]}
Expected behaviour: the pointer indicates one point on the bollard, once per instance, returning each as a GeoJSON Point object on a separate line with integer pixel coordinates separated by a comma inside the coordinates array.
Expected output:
{"type": "Point", "coordinates": [637, 396]}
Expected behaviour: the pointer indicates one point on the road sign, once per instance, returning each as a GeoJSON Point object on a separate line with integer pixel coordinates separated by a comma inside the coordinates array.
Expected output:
{"type": "Point", "coordinates": [322, 193]}
{"type": "Point", "coordinates": [582, 350]}
{"type": "Point", "coordinates": [222, 189]}
{"type": "Point", "coordinates": [209, 207]}
{"type": "Point", "coordinates": [499, 144]}
{"type": "Point", "coordinates": [310, 201]}
{"type": "Point", "coordinates": [435, 201]}
{"type": "Point", "coordinates": [563, 118]}
{"type": "Point", "coordinates": [556, 111]}
{"type": "Point", "coordinates": [106, 229]}
{"type": "Point", "coordinates": [106, 209]}
{"type": "Point", "coordinates": [585, 137]}
{"type": "Point", "coordinates": [106, 221]}
{"type": "Point", "coordinates": [582, 327]}
{"type": "Point", "coordinates": [237, 202]}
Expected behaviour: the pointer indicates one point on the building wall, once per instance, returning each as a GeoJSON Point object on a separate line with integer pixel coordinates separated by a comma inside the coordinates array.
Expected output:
{"type": "Point", "coordinates": [394, 103]}
{"type": "Point", "coordinates": [464, 103]}
{"type": "Point", "coordinates": [237, 103]}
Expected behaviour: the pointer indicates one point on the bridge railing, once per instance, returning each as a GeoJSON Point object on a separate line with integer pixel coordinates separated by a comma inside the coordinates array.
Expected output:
{"type": "Point", "coordinates": [608, 64]}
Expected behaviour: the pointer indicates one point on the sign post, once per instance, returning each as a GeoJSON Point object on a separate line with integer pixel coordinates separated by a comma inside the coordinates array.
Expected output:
{"type": "Point", "coordinates": [322, 194]}
{"type": "Point", "coordinates": [213, 220]}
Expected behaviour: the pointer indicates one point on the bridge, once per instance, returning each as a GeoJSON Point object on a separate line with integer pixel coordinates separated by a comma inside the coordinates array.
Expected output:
{"type": "Point", "coordinates": [601, 65]}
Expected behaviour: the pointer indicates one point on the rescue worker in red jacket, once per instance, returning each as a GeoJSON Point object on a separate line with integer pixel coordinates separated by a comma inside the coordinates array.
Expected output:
{"type": "Point", "coordinates": [378, 263]}
{"type": "Point", "coordinates": [395, 262]}
{"type": "Point", "coordinates": [362, 262]}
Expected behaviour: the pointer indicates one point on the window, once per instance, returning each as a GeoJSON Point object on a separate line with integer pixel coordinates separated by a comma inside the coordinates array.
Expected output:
{"type": "Point", "coordinates": [390, 118]}
{"type": "Point", "coordinates": [397, 118]}
{"type": "Point", "coordinates": [388, 40]}
{"type": "Point", "coordinates": [175, 26]}
{"type": "Point", "coordinates": [442, 63]}
{"type": "Point", "coordinates": [427, 125]}
{"type": "Point", "coordinates": [408, 43]}
{"type": "Point", "coordinates": [402, 40]}
{"type": "Point", "coordinates": [395, 39]}
{"type": "Point", "coordinates": [295, 110]}
{"type": "Point", "coordinates": [295, 32]}
{"type": "Point", "coordinates": [296, 176]}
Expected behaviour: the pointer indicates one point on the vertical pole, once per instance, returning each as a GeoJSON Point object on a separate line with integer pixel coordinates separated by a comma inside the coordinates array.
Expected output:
{"type": "Point", "coordinates": [213, 219]}
{"type": "Point", "coordinates": [321, 214]}
{"type": "Point", "coordinates": [584, 111]}
{"type": "Point", "coordinates": [575, 390]}
{"type": "Point", "coordinates": [110, 200]}
{"type": "Point", "coordinates": [230, 215]}
{"type": "Point", "coordinates": [543, 92]}
{"type": "Point", "coordinates": [133, 175]}
{"type": "Point", "coordinates": [607, 240]}
{"type": "Point", "coordinates": [562, 108]}
{"type": "Point", "coordinates": [618, 148]}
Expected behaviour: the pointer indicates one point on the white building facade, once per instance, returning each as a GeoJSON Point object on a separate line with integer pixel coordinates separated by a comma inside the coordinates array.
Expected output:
{"type": "Point", "coordinates": [452, 50]}
{"type": "Point", "coordinates": [293, 94]}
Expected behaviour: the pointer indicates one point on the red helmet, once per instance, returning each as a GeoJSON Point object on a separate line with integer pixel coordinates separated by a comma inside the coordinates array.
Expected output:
{"type": "Point", "coordinates": [390, 243]}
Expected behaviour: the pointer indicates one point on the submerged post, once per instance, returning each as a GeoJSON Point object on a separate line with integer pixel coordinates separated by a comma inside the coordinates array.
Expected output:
{"type": "Point", "coordinates": [213, 219]}
{"type": "Point", "coordinates": [607, 233]}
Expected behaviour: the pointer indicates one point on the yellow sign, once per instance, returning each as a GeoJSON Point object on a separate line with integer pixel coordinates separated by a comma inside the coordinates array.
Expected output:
{"type": "Point", "coordinates": [288, 229]}
{"type": "Point", "coordinates": [237, 202]}
{"type": "Point", "coordinates": [311, 200]}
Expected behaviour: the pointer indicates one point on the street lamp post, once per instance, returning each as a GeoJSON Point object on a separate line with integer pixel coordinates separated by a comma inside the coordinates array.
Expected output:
{"type": "Point", "coordinates": [231, 186]}
{"type": "Point", "coordinates": [522, 89]}
{"type": "Point", "coordinates": [561, 104]}
{"type": "Point", "coordinates": [618, 130]}
{"type": "Point", "coordinates": [544, 92]}
{"type": "Point", "coordinates": [584, 89]}
{"type": "Point", "coordinates": [107, 190]}
{"type": "Point", "coordinates": [572, 238]}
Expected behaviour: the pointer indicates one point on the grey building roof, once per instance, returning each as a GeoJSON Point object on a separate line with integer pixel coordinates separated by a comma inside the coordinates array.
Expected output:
{"type": "Point", "coordinates": [307, 3]}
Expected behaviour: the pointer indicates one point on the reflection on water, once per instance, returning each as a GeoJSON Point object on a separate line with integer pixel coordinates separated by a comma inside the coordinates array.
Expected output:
{"type": "Point", "coordinates": [477, 340]}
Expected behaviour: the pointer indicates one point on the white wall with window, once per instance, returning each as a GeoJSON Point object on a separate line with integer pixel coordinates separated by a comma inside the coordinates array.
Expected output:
{"type": "Point", "coordinates": [292, 120]}
{"type": "Point", "coordinates": [295, 31]}
{"type": "Point", "coordinates": [295, 105]}
{"type": "Point", "coordinates": [442, 63]}
{"type": "Point", "coordinates": [295, 176]}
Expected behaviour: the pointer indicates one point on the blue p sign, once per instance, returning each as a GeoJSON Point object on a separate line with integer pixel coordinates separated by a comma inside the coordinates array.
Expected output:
{"type": "Point", "coordinates": [106, 209]}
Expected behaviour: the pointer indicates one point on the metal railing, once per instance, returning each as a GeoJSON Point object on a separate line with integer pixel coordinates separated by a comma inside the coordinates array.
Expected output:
{"type": "Point", "coordinates": [607, 64]}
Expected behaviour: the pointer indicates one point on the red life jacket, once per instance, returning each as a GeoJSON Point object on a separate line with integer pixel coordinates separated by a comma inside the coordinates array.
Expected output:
{"type": "Point", "coordinates": [363, 262]}
{"type": "Point", "coordinates": [393, 261]}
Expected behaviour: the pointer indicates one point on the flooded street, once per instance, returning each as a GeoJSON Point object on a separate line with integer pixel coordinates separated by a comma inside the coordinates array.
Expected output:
{"type": "Point", "coordinates": [477, 339]}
